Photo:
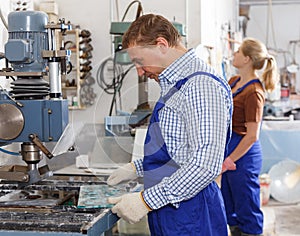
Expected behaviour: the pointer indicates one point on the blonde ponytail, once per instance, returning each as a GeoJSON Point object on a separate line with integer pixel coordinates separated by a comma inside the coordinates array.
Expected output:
{"type": "Point", "coordinates": [257, 51]}
{"type": "Point", "coordinates": [270, 74]}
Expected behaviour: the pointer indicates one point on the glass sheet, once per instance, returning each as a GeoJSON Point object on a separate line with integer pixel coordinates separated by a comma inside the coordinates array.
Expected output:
{"type": "Point", "coordinates": [95, 196]}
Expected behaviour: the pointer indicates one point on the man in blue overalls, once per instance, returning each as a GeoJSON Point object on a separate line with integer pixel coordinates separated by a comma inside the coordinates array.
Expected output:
{"type": "Point", "coordinates": [186, 137]}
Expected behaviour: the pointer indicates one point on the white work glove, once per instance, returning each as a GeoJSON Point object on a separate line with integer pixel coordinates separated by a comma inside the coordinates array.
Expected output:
{"type": "Point", "coordinates": [123, 173]}
{"type": "Point", "coordinates": [228, 164]}
{"type": "Point", "coordinates": [131, 207]}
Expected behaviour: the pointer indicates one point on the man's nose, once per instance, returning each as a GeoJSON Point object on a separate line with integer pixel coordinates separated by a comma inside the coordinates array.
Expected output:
{"type": "Point", "coordinates": [140, 71]}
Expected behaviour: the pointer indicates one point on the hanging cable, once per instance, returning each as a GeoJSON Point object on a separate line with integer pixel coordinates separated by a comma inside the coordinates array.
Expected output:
{"type": "Point", "coordinates": [118, 90]}
{"type": "Point", "coordinates": [9, 152]}
{"type": "Point", "coordinates": [112, 85]}
{"type": "Point", "coordinates": [270, 24]}
{"type": "Point", "coordinates": [3, 19]}
{"type": "Point", "coordinates": [117, 9]}
{"type": "Point", "coordinates": [139, 10]}
{"type": "Point", "coordinates": [102, 79]}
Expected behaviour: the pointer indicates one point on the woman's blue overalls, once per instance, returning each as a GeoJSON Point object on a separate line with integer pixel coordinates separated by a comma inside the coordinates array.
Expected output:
{"type": "Point", "coordinates": [240, 188]}
{"type": "Point", "coordinates": [204, 214]}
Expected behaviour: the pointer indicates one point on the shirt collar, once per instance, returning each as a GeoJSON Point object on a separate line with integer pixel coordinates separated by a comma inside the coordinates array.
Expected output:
{"type": "Point", "coordinates": [176, 70]}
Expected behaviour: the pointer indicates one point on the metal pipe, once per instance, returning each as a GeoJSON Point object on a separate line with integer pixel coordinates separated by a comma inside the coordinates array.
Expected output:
{"type": "Point", "coordinates": [55, 78]}
{"type": "Point", "coordinates": [111, 20]}
{"type": "Point", "coordinates": [186, 21]}
{"type": "Point", "coordinates": [266, 2]}
{"type": "Point", "coordinates": [236, 15]}
{"type": "Point", "coordinates": [50, 39]}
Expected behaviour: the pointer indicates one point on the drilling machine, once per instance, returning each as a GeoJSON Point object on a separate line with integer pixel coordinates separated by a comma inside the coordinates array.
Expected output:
{"type": "Point", "coordinates": [33, 111]}
{"type": "Point", "coordinates": [33, 114]}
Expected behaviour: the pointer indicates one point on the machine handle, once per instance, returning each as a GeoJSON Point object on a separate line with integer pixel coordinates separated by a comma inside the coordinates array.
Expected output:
{"type": "Point", "coordinates": [34, 138]}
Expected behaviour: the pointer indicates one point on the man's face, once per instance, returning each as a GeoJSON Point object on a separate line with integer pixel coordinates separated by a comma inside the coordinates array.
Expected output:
{"type": "Point", "coordinates": [147, 60]}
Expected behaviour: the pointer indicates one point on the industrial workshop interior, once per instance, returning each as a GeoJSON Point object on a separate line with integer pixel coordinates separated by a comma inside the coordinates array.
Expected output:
{"type": "Point", "coordinates": [74, 109]}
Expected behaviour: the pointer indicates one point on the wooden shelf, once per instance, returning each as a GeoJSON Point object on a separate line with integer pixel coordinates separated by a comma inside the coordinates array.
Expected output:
{"type": "Point", "coordinates": [70, 88]}
{"type": "Point", "coordinates": [70, 92]}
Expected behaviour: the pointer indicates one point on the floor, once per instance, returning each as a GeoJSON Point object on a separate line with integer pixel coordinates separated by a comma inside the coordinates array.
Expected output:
{"type": "Point", "coordinates": [281, 219]}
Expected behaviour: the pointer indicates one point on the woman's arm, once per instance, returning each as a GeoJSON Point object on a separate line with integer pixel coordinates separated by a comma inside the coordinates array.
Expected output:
{"type": "Point", "coordinates": [253, 129]}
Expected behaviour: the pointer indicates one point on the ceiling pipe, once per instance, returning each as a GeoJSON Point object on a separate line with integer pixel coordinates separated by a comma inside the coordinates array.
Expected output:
{"type": "Point", "coordinates": [266, 2]}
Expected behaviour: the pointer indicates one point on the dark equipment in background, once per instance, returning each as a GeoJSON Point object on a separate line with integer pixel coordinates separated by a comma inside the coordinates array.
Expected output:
{"type": "Point", "coordinates": [120, 123]}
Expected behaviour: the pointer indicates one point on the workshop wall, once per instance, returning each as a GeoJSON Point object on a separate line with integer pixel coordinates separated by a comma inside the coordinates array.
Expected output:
{"type": "Point", "coordinates": [276, 27]}
{"type": "Point", "coordinates": [206, 23]}
{"type": "Point", "coordinates": [198, 16]}
{"type": "Point", "coordinates": [96, 17]}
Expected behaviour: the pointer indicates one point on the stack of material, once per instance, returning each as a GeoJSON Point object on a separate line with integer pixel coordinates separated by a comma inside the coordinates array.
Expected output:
{"type": "Point", "coordinates": [87, 93]}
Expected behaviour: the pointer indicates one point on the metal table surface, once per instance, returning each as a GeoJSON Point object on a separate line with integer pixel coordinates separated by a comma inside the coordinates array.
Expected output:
{"type": "Point", "coordinates": [61, 218]}
{"type": "Point", "coordinates": [101, 224]}
{"type": "Point", "coordinates": [66, 219]}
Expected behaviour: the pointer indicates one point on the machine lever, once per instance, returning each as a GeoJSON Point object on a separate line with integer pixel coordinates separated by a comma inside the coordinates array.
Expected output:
{"type": "Point", "coordinates": [34, 138]}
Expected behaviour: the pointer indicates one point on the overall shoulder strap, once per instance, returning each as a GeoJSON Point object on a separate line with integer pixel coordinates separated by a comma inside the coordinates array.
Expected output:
{"type": "Point", "coordinates": [180, 83]}
{"type": "Point", "coordinates": [245, 85]}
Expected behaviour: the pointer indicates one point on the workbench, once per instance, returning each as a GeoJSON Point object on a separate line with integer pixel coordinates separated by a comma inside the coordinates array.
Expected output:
{"type": "Point", "coordinates": [57, 215]}
{"type": "Point", "coordinates": [63, 217]}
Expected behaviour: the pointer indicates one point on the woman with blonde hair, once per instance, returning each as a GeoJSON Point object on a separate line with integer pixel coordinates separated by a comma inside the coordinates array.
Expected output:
{"type": "Point", "coordinates": [242, 166]}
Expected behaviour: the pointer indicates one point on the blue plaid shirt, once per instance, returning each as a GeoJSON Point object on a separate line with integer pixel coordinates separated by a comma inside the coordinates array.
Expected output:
{"type": "Point", "coordinates": [194, 125]}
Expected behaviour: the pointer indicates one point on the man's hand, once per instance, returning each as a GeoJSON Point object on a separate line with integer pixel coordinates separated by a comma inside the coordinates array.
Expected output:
{"type": "Point", "coordinates": [228, 164]}
{"type": "Point", "coordinates": [131, 207]}
{"type": "Point", "coordinates": [124, 173]}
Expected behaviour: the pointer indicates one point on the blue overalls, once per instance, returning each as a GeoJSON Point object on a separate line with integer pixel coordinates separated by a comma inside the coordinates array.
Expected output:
{"type": "Point", "coordinates": [240, 188]}
{"type": "Point", "coordinates": [204, 214]}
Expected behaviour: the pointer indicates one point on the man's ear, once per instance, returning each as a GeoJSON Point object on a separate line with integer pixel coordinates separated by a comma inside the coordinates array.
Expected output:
{"type": "Point", "coordinates": [162, 44]}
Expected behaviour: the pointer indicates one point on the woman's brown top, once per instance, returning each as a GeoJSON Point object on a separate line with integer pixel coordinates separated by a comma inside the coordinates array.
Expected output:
{"type": "Point", "coordinates": [248, 105]}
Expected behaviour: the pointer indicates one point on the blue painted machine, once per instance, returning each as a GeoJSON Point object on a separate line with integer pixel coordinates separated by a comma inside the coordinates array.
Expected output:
{"type": "Point", "coordinates": [33, 111]}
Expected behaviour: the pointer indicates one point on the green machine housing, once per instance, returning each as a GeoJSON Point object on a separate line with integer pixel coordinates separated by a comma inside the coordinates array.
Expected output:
{"type": "Point", "coordinates": [119, 28]}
